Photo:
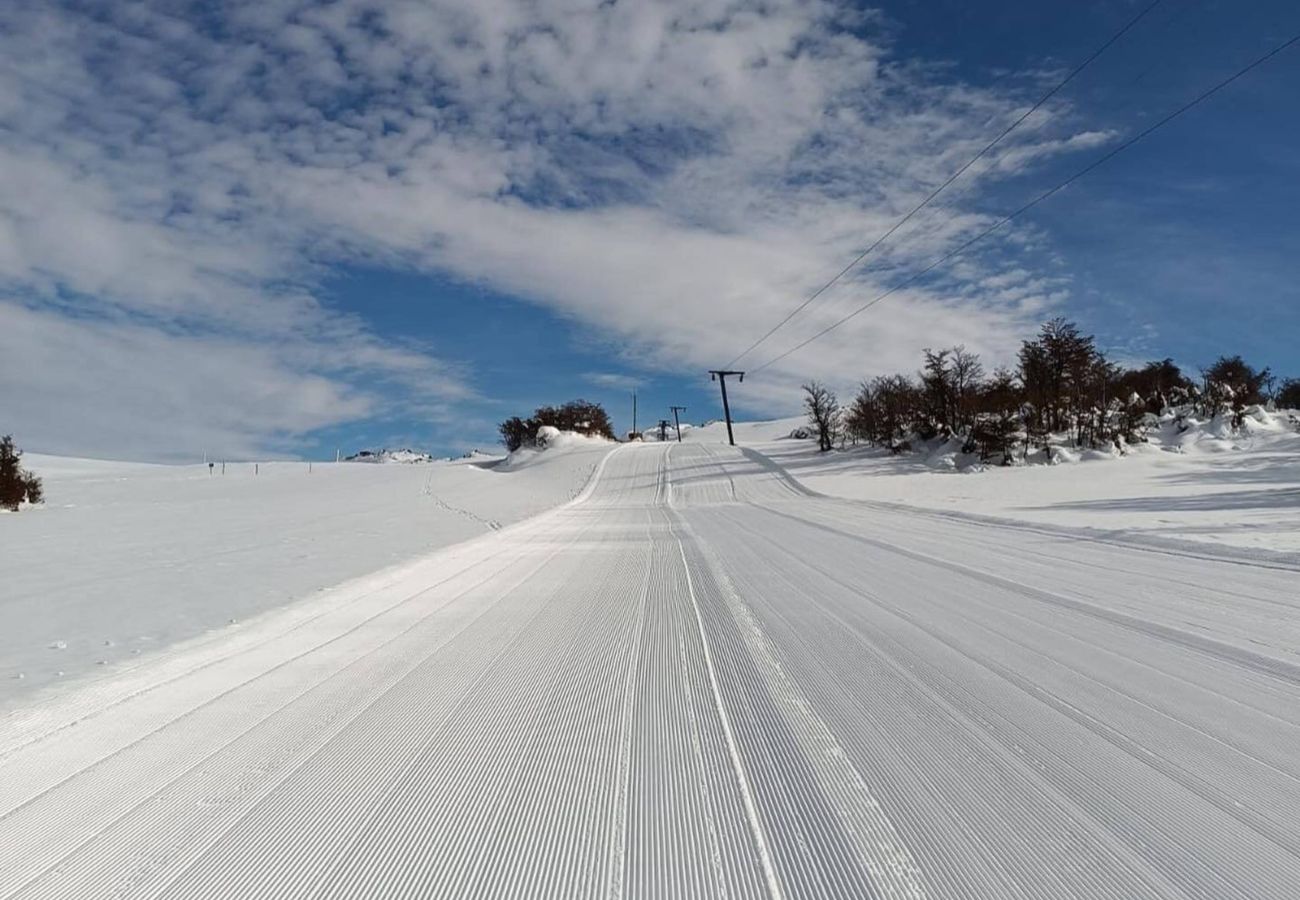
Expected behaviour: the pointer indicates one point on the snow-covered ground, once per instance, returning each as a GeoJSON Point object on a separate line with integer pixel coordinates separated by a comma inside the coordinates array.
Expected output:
{"type": "Point", "coordinates": [1206, 487]}
{"type": "Point", "coordinates": [697, 680]}
{"type": "Point", "coordinates": [125, 559]}
{"type": "Point", "coordinates": [708, 674]}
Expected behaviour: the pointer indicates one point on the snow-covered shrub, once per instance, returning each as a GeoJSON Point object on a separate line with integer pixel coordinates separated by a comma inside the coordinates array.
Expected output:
{"type": "Point", "coordinates": [546, 436]}
{"type": "Point", "coordinates": [17, 485]}
{"type": "Point", "coordinates": [1232, 385]}
{"type": "Point", "coordinates": [1063, 400]}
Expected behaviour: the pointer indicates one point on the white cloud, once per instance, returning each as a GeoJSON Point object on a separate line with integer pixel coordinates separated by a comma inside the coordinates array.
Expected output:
{"type": "Point", "coordinates": [139, 392]}
{"type": "Point", "coordinates": [615, 381]}
{"type": "Point", "coordinates": [171, 191]}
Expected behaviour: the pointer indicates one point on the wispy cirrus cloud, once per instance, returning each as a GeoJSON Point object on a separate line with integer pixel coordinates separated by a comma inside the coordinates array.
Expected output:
{"type": "Point", "coordinates": [618, 381]}
{"type": "Point", "coordinates": [175, 180]}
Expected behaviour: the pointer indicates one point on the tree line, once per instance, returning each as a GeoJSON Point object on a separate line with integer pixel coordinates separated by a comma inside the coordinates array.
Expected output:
{"type": "Point", "coordinates": [1062, 386]}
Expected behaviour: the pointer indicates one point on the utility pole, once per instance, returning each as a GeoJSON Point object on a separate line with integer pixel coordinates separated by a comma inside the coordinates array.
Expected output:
{"type": "Point", "coordinates": [663, 430]}
{"type": "Point", "coordinates": [634, 431]}
{"type": "Point", "coordinates": [720, 376]}
{"type": "Point", "coordinates": [677, 421]}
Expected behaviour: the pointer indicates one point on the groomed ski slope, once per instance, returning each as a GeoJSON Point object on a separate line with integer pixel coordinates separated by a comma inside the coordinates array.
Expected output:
{"type": "Point", "coordinates": [126, 559]}
{"type": "Point", "coordinates": [698, 680]}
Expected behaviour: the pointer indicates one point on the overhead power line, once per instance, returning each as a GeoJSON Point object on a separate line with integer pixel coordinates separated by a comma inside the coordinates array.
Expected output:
{"type": "Point", "coordinates": [941, 188]}
{"type": "Point", "coordinates": [1199, 99]}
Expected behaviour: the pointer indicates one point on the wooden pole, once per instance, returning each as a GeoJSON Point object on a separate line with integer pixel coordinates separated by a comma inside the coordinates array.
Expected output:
{"type": "Point", "coordinates": [676, 421]}
{"type": "Point", "coordinates": [720, 376]}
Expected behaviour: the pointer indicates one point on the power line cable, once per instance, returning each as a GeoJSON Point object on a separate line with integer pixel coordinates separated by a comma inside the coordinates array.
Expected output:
{"type": "Point", "coordinates": [941, 188]}
{"type": "Point", "coordinates": [1040, 198]}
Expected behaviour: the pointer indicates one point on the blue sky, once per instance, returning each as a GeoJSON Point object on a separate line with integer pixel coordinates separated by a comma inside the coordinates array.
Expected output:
{"type": "Point", "coordinates": [278, 228]}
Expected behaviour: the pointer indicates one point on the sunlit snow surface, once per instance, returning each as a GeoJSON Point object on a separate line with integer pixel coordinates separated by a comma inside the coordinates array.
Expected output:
{"type": "Point", "coordinates": [1206, 485]}
{"type": "Point", "coordinates": [699, 678]}
{"type": "Point", "coordinates": [126, 558]}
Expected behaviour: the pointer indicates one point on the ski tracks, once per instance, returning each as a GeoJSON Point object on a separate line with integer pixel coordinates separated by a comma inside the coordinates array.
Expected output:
{"type": "Point", "coordinates": [664, 690]}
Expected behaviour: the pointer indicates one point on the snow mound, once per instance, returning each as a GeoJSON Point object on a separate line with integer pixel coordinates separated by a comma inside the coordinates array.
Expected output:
{"type": "Point", "coordinates": [549, 440]}
{"type": "Point", "coordinates": [1182, 432]}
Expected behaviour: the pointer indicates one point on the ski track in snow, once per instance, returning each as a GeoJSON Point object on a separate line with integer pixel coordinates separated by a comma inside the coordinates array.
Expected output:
{"type": "Point", "coordinates": [698, 679]}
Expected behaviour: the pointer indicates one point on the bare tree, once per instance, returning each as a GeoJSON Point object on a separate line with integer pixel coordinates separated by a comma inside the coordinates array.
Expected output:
{"type": "Point", "coordinates": [1288, 396]}
{"type": "Point", "coordinates": [967, 374]}
{"type": "Point", "coordinates": [937, 392]}
{"type": "Point", "coordinates": [997, 419]}
{"type": "Point", "coordinates": [823, 413]}
{"type": "Point", "coordinates": [885, 411]}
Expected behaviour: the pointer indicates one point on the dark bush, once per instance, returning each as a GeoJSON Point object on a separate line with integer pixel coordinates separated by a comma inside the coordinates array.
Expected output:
{"type": "Point", "coordinates": [885, 411]}
{"type": "Point", "coordinates": [35, 491]}
{"type": "Point", "coordinates": [1232, 384]}
{"type": "Point", "coordinates": [1158, 385]}
{"type": "Point", "coordinates": [515, 433]}
{"type": "Point", "coordinates": [576, 415]}
{"type": "Point", "coordinates": [1288, 396]}
{"type": "Point", "coordinates": [16, 484]}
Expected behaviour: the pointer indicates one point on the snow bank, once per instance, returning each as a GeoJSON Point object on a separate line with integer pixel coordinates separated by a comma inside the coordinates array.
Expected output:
{"type": "Point", "coordinates": [1193, 483]}
{"type": "Point", "coordinates": [747, 432]}
{"type": "Point", "coordinates": [552, 442]}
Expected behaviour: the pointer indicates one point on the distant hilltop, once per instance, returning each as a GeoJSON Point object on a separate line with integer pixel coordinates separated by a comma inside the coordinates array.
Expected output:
{"type": "Point", "coordinates": [390, 456]}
